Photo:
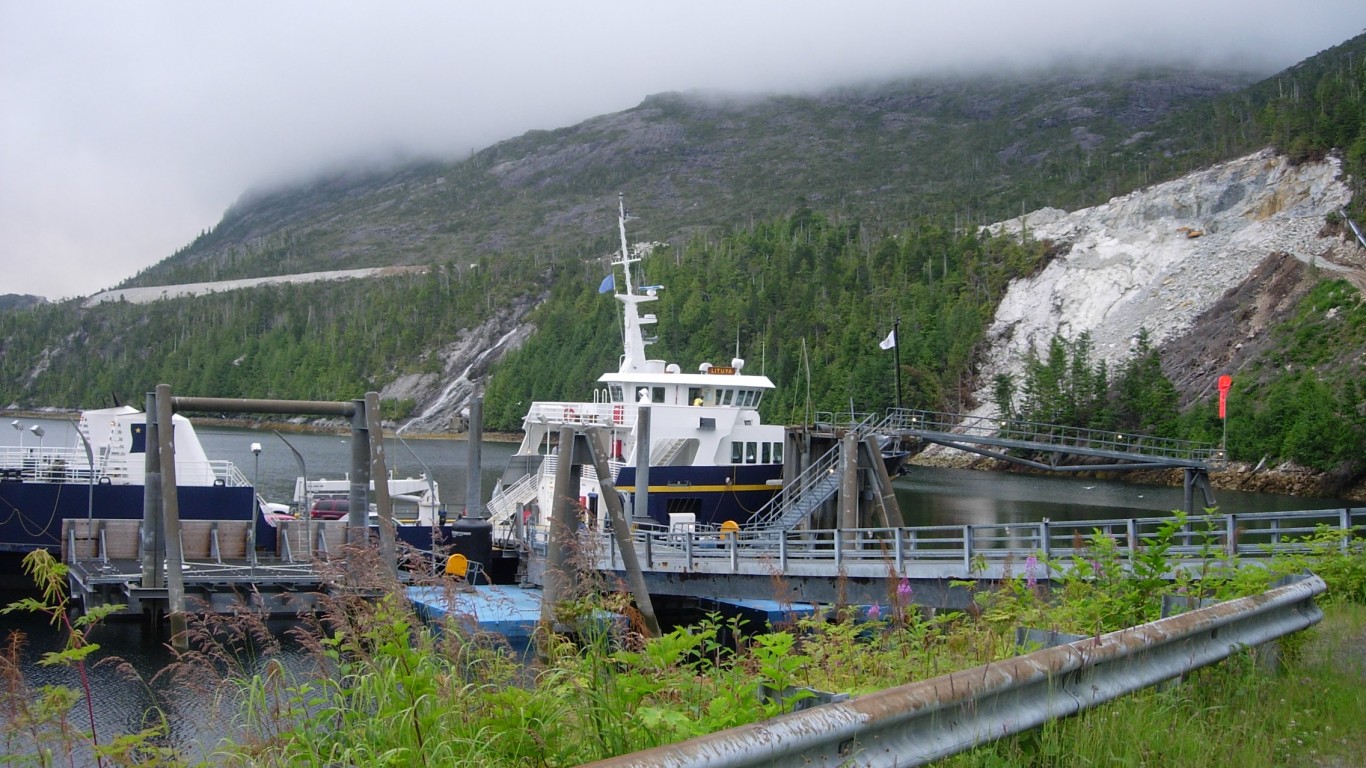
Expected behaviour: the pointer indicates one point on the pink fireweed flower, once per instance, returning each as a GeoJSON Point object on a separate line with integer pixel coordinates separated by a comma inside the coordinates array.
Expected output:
{"type": "Point", "coordinates": [874, 612]}
{"type": "Point", "coordinates": [904, 591]}
{"type": "Point", "coordinates": [1031, 564]}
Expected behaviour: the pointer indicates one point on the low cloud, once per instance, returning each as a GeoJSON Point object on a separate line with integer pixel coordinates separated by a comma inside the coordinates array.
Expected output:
{"type": "Point", "coordinates": [129, 128]}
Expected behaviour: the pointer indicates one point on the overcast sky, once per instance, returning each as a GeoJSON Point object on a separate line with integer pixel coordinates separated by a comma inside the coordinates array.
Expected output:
{"type": "Point", "coordinates": [126, 128]}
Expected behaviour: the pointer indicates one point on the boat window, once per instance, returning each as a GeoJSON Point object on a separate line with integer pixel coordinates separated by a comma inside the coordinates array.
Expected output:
{"type": "Point", "coordinates": [618, 396]}
{"type": "Point", "coordinates": [726, 395]}
{"type": "Point", "coordinates": [777, 453]}
{"type": "Point", "coordinates": [768, 453]}
{"type": "Point", "coordinates": [737, 452]}
{"type": "Point", "coordinates": [657, 395]}
{"type": "Point", "coordinates": [695, 396]}
{"type": "Point", "coordinates": [751, 453]}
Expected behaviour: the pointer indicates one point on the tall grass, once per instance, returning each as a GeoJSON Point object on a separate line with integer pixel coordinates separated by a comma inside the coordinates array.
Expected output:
{"type": "Point", "coordinates": [386, 689]}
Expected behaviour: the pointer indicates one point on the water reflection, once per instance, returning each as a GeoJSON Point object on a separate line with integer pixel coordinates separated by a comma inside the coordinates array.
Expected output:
{"type": "Point", "coordinates": [937, 496]}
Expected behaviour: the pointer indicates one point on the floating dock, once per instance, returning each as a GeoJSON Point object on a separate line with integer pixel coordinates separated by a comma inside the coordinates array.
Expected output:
{"type": "Point", "coordinates": [510, 611]}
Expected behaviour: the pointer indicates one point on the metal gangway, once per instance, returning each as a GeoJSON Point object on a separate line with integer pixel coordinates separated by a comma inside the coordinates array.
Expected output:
{"type": "Point", "coordinates": [1061, 448]}
{"type": "Point", "coordinates": [993, 436]}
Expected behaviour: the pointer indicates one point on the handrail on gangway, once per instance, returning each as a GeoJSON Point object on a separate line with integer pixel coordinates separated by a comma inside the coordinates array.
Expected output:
{"type": "Point", "coordinates": [953, 429]}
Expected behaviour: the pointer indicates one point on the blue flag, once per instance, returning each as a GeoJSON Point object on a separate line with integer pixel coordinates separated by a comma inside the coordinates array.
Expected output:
{"type": "Point", "coordinates": [609, 283]}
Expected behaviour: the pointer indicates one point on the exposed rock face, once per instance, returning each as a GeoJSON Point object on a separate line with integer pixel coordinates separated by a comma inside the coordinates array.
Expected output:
{"type": "Point", "coordinates": [443, 399]}
{"type": "Point", "coordinates": [1160, 257]}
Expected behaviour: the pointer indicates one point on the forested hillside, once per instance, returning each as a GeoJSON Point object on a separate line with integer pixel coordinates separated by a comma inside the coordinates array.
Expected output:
{"type": "Point", "coordinates": [328, 341]}
{"type": "Point", "coordinates": [798, 228]}
{"type": "Point", "coordinates": [803, 300]}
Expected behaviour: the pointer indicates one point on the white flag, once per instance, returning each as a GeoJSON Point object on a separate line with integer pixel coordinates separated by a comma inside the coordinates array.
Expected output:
{"type": "Point", "coordinates": [890, 341]}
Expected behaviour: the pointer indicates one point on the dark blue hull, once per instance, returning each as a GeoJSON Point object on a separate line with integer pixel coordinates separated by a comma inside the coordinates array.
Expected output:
{"type": "Point", "coordinates": [713, 494]}
{"type": "Point", "coordinates": [31, 514]}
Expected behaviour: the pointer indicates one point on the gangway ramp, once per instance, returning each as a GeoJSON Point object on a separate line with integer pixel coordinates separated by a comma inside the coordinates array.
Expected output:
{"type": "Point", "coordinates": [1060, 448]}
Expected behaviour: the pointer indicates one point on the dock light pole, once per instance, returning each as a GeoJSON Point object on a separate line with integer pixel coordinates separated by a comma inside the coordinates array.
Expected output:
{"type": "Point", "coordinates": [255, 499]}
{"type": "Point", "coordinates": [37, 430]}
{"type": "Point", "coordinates": [20, 429]}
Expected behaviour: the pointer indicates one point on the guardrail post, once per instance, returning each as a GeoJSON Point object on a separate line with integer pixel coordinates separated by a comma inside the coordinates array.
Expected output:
{"type": "Point", "coordinates": [1131, 526]}
{"type": "Point", "coordinates": [1045, 540]}
{"type": "Point", "coordinates": [733, 542]}
{"type": "Point", "coordinates": [1345, 523]}
{"type": "Point", "coordinates": [839, 548]}
{"type": "Point", "coordinates": [782, 551]}
{"type": "Point", "coordinates": [1231, 535]}
{"type": "Point", "coordinates": [687, 547]}
{"type": "Point", "coordinates": [649, 549]}
{"type": "Point", "coordinates": [967, 550]}
{"type": "Point", "coordinates": [899, 546]}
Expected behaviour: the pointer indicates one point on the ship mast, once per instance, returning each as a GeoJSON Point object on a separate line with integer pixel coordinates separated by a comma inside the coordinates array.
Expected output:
{"type": "Point", "coordinates": [633, 357]}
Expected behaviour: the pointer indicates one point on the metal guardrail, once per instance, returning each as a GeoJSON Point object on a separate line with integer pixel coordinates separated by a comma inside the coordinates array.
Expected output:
{"type": "Point", "coordinates": [862, 424]}
{"type": "Point", "coordinates": [989, 550]}
{"type": "Point", "coordinates": [920, 722]}
{"type": "Point", "coordinates": [1043, 434]}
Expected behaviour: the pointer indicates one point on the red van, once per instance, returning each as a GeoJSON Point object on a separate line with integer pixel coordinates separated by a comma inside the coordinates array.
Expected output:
{"type": "Point", "coordinates": [331, 509]}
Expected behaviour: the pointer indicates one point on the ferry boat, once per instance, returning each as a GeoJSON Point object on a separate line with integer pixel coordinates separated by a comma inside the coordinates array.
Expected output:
{"type": "Point", "coordinates": [712, 461]}
{"type": "Point", "coordinates": [102, 477]}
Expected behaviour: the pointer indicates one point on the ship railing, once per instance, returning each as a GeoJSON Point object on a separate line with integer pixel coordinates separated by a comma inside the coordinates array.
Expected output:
{"type": "Point", "coordinates": [54, 465]}
{"type": "Point", "coordinates": [1035, 549]}
{"type": "Point", "coordinates": [212, 472]}
{"type": "Point", "coordinates": [583, 414]}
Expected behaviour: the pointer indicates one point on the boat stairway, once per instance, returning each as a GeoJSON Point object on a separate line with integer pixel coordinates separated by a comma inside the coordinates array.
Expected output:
{"type": "Point", "coordinates": [670, 449]}
{"type": "Point", "coordinates": [799, 499]}
{"type": "Point", "coordinates": [505, 505]}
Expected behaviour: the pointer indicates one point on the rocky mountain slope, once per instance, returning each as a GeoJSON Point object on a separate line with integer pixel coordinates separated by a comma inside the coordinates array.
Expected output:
{"type": "Point", "coordinates": [1180, 259]}
{"type": "Point", "coordinates": [1162, 258]}
{"type": "Point", "coordinates": [881, 153]}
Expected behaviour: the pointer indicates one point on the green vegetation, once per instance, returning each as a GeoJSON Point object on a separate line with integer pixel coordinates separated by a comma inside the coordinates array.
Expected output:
{"type": "Point", "coordinates": [390, 690]}
{"type": "Point", "coordinates": [1302, 402]}
{"type": "Point", "coordinates": [316, 341]}
{"type": "Point", "coordinates": [1069, 388]}
{"type": "Point", "coordinates": [795, 295]}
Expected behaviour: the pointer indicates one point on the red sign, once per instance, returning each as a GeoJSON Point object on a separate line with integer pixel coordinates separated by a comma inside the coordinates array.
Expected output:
{"type": "Point", "coordinates": [1225, 382]}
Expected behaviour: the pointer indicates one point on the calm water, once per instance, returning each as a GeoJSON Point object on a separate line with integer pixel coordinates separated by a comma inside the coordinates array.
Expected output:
{"type": "Point", "coordinates": [927, 497]}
